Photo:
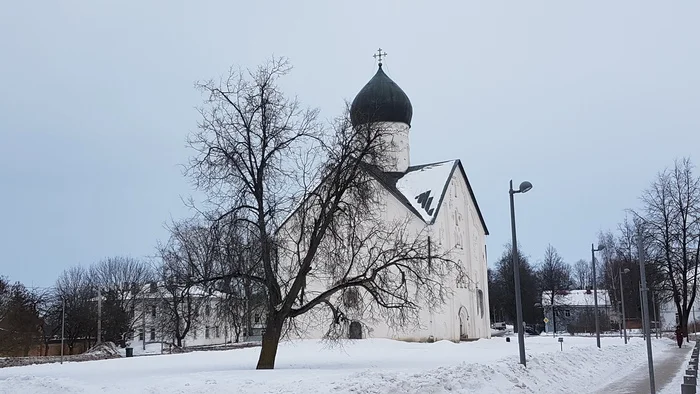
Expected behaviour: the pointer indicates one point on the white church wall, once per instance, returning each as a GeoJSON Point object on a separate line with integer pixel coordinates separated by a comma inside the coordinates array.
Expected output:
{"type": "Point", "coordinates": [397, 144]}
{"type": "Point", "coordinates": [458, 227]}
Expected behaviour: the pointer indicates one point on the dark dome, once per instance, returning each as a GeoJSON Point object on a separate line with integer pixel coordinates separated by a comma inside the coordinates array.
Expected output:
{"type": "Point", "coordinates": [381, 100]}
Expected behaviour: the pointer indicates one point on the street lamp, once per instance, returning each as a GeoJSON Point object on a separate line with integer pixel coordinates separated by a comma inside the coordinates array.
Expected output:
{"type": "Point", "coordinates": [595, 293]}
{"type": "Point", "coordinates": [525, 187]}
{"type": "Point", "coordinates": [622, 300]}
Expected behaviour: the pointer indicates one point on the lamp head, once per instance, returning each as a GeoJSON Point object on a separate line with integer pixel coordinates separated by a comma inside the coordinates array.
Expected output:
{"type": "Point", "coordinates": [626, 271]}
{"type": "Point", "coordinates": [525, 187]}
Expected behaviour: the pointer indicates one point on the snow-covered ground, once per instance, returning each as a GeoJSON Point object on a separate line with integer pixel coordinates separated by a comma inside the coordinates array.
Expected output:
{"type": "Point", "coordinates": [365, 366]}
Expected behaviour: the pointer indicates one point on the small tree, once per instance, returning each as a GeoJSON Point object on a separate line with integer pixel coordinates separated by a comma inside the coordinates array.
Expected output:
{"type": "Point", "coordinates": [121, 280]}
{"type": "Point", "coordinates": [20, 324]}
{"type": "Point", "coordinates": [554, 277]}
{"type": "Point", "coordinates": [670, 232]}
{"type": "Point", "coordinates": [503, 293]}
{"type": "Point", "coordinates": [75, 288]}
{"type": "Point", "coordinates": [189, 255]}
{"type": "Point", "coordinates": [583, 274]}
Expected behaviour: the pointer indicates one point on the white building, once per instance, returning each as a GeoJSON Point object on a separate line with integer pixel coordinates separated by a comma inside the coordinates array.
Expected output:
{"type": "Point", "coordinates": [210, 324]}
{"type": "Point", "coordinates": [573, 310]}
{"type": "Point", "coordinates": [438, 198]}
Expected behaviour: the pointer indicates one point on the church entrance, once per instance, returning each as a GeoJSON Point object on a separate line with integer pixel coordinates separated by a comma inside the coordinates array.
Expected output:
{"type": "Point", "coordinates": [463, 320]}
{"type": "Point", "coordinates": [355, 331]}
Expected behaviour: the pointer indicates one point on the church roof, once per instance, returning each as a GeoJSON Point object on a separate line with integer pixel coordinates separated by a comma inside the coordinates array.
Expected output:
{"type": "Point", "coordinates": [381, 100]}
{"type": "Point", "coordinates": [422, 188]}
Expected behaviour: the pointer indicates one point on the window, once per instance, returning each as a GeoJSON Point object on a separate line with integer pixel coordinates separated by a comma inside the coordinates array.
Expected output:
{"type": "Point", "coordinates": [216, 332]}
{"type": "Point", "coordinates": [480, 304]}
{"type": "Point", "coordinates": [153, 310]}
{"type": "Point", "coordinates": [153, 287]}
{"type": "Point", "coordinates": [153, 334]}
{"type": "Point", "coordinates": [257, 318]}
{"type": "Point", "coordinates": [567, 313]}
{"type": "Point", "coordinates": [141, 335]}
{"type": "Point", "coordinates": [206, 333]}
{"type": "Point", "coordinates": [207, 310]}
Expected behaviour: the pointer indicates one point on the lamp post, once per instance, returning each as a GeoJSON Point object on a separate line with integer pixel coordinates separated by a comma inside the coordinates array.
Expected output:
{"type": "Point", "coordinates": [63, 324]}
{"type": "Point", "coordinates": [595, 293]}
{"type": "Point", "coordinates": [622, 300]}
{"type": "Point", "coordinates": [645, 311]}
{"type": "Point", "coordinates": [525, 187]}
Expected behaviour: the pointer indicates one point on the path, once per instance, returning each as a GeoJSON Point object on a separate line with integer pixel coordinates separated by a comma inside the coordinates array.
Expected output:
{"type": "Point", "coordinates": [666, 365]}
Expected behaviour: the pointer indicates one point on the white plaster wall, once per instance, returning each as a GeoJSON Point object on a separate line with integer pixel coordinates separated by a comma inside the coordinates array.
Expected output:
{"type": "Point", "coordinates": [457, 226]}
{"type": "Point", "coordinates": [196, 336]}
{"type": "Point", "coordinates": [397, 145]}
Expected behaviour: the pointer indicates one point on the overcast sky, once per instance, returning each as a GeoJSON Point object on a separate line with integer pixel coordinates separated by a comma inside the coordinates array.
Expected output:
{"type": "Point", "coordinates": [585, 99]}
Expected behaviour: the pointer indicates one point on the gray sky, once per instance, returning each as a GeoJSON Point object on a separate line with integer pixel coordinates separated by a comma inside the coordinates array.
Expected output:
{"type": "Point", "coordinates": [587, 100]}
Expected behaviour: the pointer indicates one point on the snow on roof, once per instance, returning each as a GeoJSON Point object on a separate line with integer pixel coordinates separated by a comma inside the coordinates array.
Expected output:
{"type": "Point", "coordinates": [576, 298]}
{"type": "Point", "coordinates": [424, 186]}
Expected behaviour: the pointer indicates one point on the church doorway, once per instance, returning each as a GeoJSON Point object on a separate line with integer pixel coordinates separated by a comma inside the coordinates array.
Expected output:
{"type": "Point", "coordinates": [463, 320]}
{"type": "Point", "coordinates": [355, 331]}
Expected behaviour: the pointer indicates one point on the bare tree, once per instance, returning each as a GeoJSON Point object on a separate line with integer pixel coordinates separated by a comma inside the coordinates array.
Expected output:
{"type": "Point", "coordinates": [502, 287]}
{"type": "Point", "coordinates": [671, 231]}
{"type": "Point", "coordinates": [74, 286]}
{"type": "Point", "coordinates": [186, 258]}
{"type": "Point", "coordinates": [583, 274]}
{"type": "Point", "coordinates": [554, 277]}
{"type": "Point", "coordinates": [20, 323]}
{"type": "Point", "coordinates": [121, 280]}
{"type": "Point", "coordinates": [260, 154]}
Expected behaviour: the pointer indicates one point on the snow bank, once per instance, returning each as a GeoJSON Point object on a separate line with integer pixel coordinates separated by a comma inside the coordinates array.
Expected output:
{"type": "Point", "coordinates": [107, 349]}
{"type": "Point", "coordinates": [365, 366]}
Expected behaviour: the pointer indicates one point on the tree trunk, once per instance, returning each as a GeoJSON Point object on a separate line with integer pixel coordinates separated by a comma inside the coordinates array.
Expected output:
{"type": "Point", "coordinates": [270, 342]}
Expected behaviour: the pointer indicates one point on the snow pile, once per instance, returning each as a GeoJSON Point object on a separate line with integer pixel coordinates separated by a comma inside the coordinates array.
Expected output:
{"type": "Point", "coordinates": [106, 349]}
{"type": "Point", "coordinates": [151, 349]}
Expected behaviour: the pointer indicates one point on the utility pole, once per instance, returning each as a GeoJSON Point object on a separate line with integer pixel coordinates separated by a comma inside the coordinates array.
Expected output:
{"type": "Point", "coordinates": [99, 315]}
{"type": "Point", "coordinates": [645, 311]}
{"type": "Point", "coordinates": [622, 299]}
{"type": "Point", "coordinates": [63, 325]}
{"type": "Point", "coordinates": [143, 321]}
{"type": "Point", "coordinates": [656, 320]}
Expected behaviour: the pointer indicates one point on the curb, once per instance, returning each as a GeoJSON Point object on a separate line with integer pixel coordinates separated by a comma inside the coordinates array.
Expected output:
{"type": "Point", "coordinates": [690, 379]}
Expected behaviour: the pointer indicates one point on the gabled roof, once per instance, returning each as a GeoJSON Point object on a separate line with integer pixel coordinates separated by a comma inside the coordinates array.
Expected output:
{"type": "Point", "coordinates": [422, 188]}
{"type": "Point", "coordinates": [576, 298]}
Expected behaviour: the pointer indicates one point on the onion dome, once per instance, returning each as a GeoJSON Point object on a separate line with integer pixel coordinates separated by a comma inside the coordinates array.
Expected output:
{"type": "Point", "coordinates": [381, 100]}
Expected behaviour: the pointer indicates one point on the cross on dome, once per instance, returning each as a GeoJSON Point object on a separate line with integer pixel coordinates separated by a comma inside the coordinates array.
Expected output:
{"type": "Point", "coordinates": [379, 56]}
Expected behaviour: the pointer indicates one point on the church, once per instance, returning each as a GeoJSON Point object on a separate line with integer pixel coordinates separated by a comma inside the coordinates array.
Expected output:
{"type": "Point", "coordinates": [436, 197]}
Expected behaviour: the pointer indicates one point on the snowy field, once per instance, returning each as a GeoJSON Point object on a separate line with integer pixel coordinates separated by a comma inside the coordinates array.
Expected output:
{"type": "Point", "coordinates": [365, 366]}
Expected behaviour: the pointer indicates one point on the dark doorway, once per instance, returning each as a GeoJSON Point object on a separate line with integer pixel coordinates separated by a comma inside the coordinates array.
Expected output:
{"type": "Point", "coordinates": [355, 330]}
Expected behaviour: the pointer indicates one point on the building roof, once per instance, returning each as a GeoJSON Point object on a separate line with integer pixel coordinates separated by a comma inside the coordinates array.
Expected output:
{"type": "Point", "coordinates": [422, 188]}
{"type": "Point", "coordinates": [576, 298]}
{"type": "Point", "coordinates": [381, 100]}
